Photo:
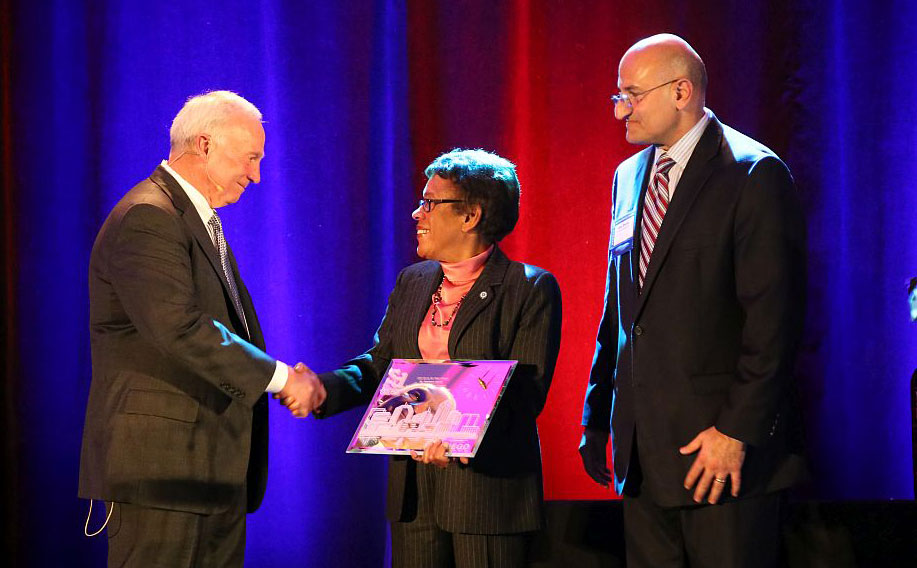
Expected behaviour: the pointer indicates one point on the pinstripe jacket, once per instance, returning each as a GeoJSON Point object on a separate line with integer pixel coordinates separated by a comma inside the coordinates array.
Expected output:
{"type": "Point", "coordinates": [513, 311]}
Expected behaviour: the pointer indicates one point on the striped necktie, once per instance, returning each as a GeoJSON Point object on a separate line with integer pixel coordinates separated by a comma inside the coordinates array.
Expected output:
{"type": "Point", "coordinates": [654, 207]}
{"type": "Point", "coordinates": [222, 248]}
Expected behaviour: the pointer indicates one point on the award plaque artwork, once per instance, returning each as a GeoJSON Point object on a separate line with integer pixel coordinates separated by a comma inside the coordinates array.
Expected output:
{"type": "Point", "coordinates": [421, 401]}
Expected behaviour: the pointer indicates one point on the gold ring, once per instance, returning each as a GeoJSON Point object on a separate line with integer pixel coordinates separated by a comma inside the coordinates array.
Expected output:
{"type": "Point", "coordinates": [718, 480]}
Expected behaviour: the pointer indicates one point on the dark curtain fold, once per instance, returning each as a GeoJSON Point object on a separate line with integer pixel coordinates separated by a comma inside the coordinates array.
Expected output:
{"type": "Point", "coordinates": [9, 479]}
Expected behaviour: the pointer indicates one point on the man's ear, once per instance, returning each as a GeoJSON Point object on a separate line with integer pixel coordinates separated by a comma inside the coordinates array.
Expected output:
{"type": "Point", "coordinates": [472, 218]}
{"type": "Point", "coordinates": [684, 90]}
{"type": "Point", "coordinates": [202, 144]}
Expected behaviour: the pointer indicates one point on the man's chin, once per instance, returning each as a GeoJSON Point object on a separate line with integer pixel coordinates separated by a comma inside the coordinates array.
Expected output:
{"type": "Point", "coordinates": [634, 138]}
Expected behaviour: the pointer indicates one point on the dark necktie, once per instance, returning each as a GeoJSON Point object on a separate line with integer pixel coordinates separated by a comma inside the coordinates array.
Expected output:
{"type": "Point", "coordinates": [217, 227]}
{"type": "Point", "coordinates": [654, 207]}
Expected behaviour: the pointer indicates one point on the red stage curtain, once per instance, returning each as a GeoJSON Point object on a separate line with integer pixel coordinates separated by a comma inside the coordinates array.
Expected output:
{"type": "Point", "coordinates": [531, 81]}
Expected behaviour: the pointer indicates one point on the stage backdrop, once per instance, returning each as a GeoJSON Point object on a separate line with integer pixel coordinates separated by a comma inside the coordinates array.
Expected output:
{"type": "Point", "coordinates": [358, 97]}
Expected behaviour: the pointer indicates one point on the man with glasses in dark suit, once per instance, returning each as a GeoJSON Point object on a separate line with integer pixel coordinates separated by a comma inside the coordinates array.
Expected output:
{"type": "Point", "coordinates": [692, 373]}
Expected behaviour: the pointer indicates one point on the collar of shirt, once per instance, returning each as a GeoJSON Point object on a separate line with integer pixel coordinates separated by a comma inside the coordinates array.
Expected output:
{"type": "Point", "coordinates": [466, 270]}
{"type": "Point", "coordinates": [204, 210]}
{"type": "Point", "coordinates": [681, 151]}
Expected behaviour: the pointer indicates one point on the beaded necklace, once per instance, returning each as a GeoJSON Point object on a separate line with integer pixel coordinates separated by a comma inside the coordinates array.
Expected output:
{"type": "Point", "coordinates": [438, 299]}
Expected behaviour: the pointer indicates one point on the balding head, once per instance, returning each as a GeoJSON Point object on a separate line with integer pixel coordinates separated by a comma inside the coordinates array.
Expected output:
{"type": "Point", "coordinates": [664, 83]}
{"type": "Point", "coordinates": [671, 57]}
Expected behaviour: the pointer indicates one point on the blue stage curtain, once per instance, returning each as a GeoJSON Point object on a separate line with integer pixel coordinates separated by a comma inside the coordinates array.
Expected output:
{"type": "Point", "coordinates": [319, 241]}
{"type": "Point", "coordinates": [855, 143]}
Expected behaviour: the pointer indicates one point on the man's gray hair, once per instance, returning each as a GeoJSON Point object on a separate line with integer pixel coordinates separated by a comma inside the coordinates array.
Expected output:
{"type": "Point", "coordinates": [207, 113]}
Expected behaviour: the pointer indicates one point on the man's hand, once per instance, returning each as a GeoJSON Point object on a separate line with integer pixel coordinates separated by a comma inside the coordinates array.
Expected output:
{"type": "Point", "coordinates": [592, 450]}
{"type": "Point", "coordinates": [303, 392]}
{"type": "Point", "coordinates": [435, 453]}
{"type": "Point", "coordinates": [718, 462]}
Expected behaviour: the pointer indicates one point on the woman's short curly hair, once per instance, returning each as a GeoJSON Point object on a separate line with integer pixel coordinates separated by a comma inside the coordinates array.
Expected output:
{"type": "Point", "coordinates": [485, 179]}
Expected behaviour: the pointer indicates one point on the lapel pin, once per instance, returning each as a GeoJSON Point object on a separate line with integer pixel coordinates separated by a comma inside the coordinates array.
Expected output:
{"type": "Point", "coordinates": [483, 295]}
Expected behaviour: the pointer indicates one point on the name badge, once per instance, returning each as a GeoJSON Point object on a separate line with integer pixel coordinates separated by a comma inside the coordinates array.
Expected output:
{"type": "Point", "coordinates": [622, 235]}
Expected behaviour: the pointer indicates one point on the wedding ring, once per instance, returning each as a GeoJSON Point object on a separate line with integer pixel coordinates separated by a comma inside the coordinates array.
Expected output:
{"type": "Point", "coordinates": [718, 480]}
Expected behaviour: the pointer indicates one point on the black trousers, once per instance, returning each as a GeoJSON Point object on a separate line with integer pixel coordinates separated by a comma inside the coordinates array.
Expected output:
{"type": "Point", "coordinates": [737, 534]}
{"type": "Point", "coordinates": [141, 536]}
{"type": "Point", "coordinates": [420, 543]}
{"type": "Point", "coordinates": [740, 534]}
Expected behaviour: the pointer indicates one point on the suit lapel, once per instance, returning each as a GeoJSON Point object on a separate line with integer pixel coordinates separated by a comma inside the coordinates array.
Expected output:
{"type": "Point", "coordinates": [479, 297]}
{"type": "Point", "coordinates": [420, 298]}
{"type": "Point", "coordinates": [696, 173]}
{"type": "Point", "coordinates": [195, 225]}
{"type": "Point", "coordinates": [251, 320]}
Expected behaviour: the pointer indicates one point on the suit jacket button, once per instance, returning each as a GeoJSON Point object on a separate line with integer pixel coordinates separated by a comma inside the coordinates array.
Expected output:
{"type": "Point", "coordinates": [638, 330]}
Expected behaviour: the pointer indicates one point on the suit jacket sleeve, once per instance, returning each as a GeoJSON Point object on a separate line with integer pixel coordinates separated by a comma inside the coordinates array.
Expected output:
{"type": "Point", "coordinates": [599, 391]}
{"type": "Point", "coordinates": [770, 283]}
{"type": "Point", "coordinates": [535, 346]}
{"type": "Point", "coordinates": [151, 273]}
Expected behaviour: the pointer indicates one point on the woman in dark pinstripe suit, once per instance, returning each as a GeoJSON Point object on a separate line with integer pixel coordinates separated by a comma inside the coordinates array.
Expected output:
{"type": "Point", "coordinates": [467, 300]}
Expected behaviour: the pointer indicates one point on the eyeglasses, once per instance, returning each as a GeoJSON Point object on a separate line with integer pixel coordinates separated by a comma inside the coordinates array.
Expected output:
{"type": "Point", "coordinates": [631, 99]}
{"type": "Point", "coordinates": [427, 204]}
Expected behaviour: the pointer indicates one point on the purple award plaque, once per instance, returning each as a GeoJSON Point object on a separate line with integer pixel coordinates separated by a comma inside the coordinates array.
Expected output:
{"type": "Point", "coordinates": [420, 401]}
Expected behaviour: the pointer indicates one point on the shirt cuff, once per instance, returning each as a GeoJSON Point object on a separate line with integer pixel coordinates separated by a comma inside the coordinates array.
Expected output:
{"type": "Point", "coordinates": [279, 380]}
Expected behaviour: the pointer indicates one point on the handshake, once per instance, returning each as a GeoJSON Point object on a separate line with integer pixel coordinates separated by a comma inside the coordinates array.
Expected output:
{"type": "Point", "coordinates": [303, 393]}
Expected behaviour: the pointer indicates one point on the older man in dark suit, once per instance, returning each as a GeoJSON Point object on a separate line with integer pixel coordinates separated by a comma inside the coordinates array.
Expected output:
{"type": "Point", "coordinates": [175, 440]}
{"type": "Point", "coordinates": [703, 311]}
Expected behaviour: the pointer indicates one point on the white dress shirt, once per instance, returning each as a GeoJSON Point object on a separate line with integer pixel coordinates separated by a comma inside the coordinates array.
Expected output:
{"type": "Point", "coordinates": [205, 212]}
{"type": "Point", "coordinates": [681, 152]}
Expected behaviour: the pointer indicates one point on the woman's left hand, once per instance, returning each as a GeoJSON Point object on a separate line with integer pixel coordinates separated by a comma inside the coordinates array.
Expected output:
{"type": "Point", "coordinates": [435, 453]}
